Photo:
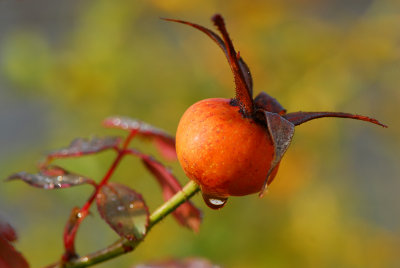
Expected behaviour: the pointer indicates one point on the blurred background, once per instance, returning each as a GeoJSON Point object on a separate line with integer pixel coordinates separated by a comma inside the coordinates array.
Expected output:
{"type": "Point", "coordinates": [66, 65]}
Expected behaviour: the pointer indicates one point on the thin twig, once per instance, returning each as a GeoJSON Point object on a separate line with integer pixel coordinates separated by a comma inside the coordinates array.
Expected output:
{"type": "Point", "coordinates": [70, 234]}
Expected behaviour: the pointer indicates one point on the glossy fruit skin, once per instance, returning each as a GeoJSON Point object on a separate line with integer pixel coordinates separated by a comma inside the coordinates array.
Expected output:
{"type": "Point", "coordinates": [225, 153]}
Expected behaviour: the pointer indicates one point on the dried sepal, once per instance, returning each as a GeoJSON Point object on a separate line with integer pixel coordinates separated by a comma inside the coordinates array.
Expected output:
{"type": "Point", "coordinates": [267, 103]}
{"type": "Point", "coordinates": [51, 177]}
{"type": "Point", "coordinates": [246, 75]}
{"type": "Point", "coordinates": [164, 142]}
{"type": "Point", "coordinates": [281, 132]}
{"type": "Point", "coordinates": [215, 37]}
{"type": "Point", "coordinates": [124, 210]}
{"type": "Point", "coordinates": [240, 70]}
{"type": "Point", "coordinates": [299, 118]}
{"type": "Point", "coordinates": [186, 214]}
{"type": "Point", "coordinates": [243, 93]}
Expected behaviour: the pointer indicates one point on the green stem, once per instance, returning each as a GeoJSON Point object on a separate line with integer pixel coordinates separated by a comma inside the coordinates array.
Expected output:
{"type": "Point", "coordinates": [190, 189]}
{"type": "Point", "coordinates": [123, 245]}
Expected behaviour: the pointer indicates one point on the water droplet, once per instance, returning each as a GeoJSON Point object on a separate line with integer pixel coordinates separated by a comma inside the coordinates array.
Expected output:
{"type": "Point", "coordinates": [214, 202]}
{"type": "Point", "coordinates": [48, 186]}
{"type": "Point", "coordinates": [84, 259]}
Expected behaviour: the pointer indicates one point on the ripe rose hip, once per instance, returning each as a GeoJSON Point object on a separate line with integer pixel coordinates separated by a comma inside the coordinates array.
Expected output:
{"type": "Point", "coordinates": [222, 151]}
{"type": "Point", "coordinates": [233, 147]}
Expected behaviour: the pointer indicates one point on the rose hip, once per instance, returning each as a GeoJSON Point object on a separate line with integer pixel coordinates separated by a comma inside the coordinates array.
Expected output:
{"type": "Point", "coordinates": [233, 147]}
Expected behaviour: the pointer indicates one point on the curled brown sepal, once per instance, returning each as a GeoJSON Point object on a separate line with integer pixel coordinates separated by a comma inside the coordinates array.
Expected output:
{"type": "Point", "coordinates": [281, 132]}
{"type": "Point", "coordinates": [266, 102]}
{"type": "Point", "coordinates": [51, 177]}
{"type": "Point", "coordinates": [124, 210]}
{"type": "Point", "coordinates": [243, 93]}
{"type": "Point", "coordinates": [299, 118]}
{"type": "Point", "coordinates": [164, 142]}
{"type": "Point", "coordinates": [240, 70]}
{"type": "Point", "coordinates": [187, 214]}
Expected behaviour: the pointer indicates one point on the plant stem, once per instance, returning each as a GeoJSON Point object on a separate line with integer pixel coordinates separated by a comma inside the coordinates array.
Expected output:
{"type": "Point", "coordinates": [189, 190]}
{"type": "Point", "coordinates": [70, 234]}
{"type": "Point", "coordinates": [123, 245]}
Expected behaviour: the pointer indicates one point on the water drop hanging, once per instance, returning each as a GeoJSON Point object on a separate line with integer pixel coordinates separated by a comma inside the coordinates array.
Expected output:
{"type": "Point", "coordinates": [214, 202]}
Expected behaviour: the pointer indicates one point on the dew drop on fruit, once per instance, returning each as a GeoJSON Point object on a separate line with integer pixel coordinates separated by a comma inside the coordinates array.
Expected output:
{"type": "Point", "coordinates": [214, 202]}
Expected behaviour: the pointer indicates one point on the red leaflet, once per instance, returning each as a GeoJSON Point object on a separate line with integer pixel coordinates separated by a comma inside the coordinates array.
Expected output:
{"type": "Point", "coordinates": [186, 214]}
{"type": "Point", "coordinates": [51, 177]}
{"type": "Point", "coordinates": [9, 257]}
{"type": "Point", "coordinates": [164, 142]}
{"type": "Point", "coordinates": [124, 210]}
{"type": "Point", "coordinates": [7, 231]}
{"type": "Point", "coordinates": [82, 146]}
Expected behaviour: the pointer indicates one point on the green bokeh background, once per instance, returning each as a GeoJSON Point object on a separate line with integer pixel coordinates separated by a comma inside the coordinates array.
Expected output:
{"type": "Point", "coordinates": [66, 65]}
